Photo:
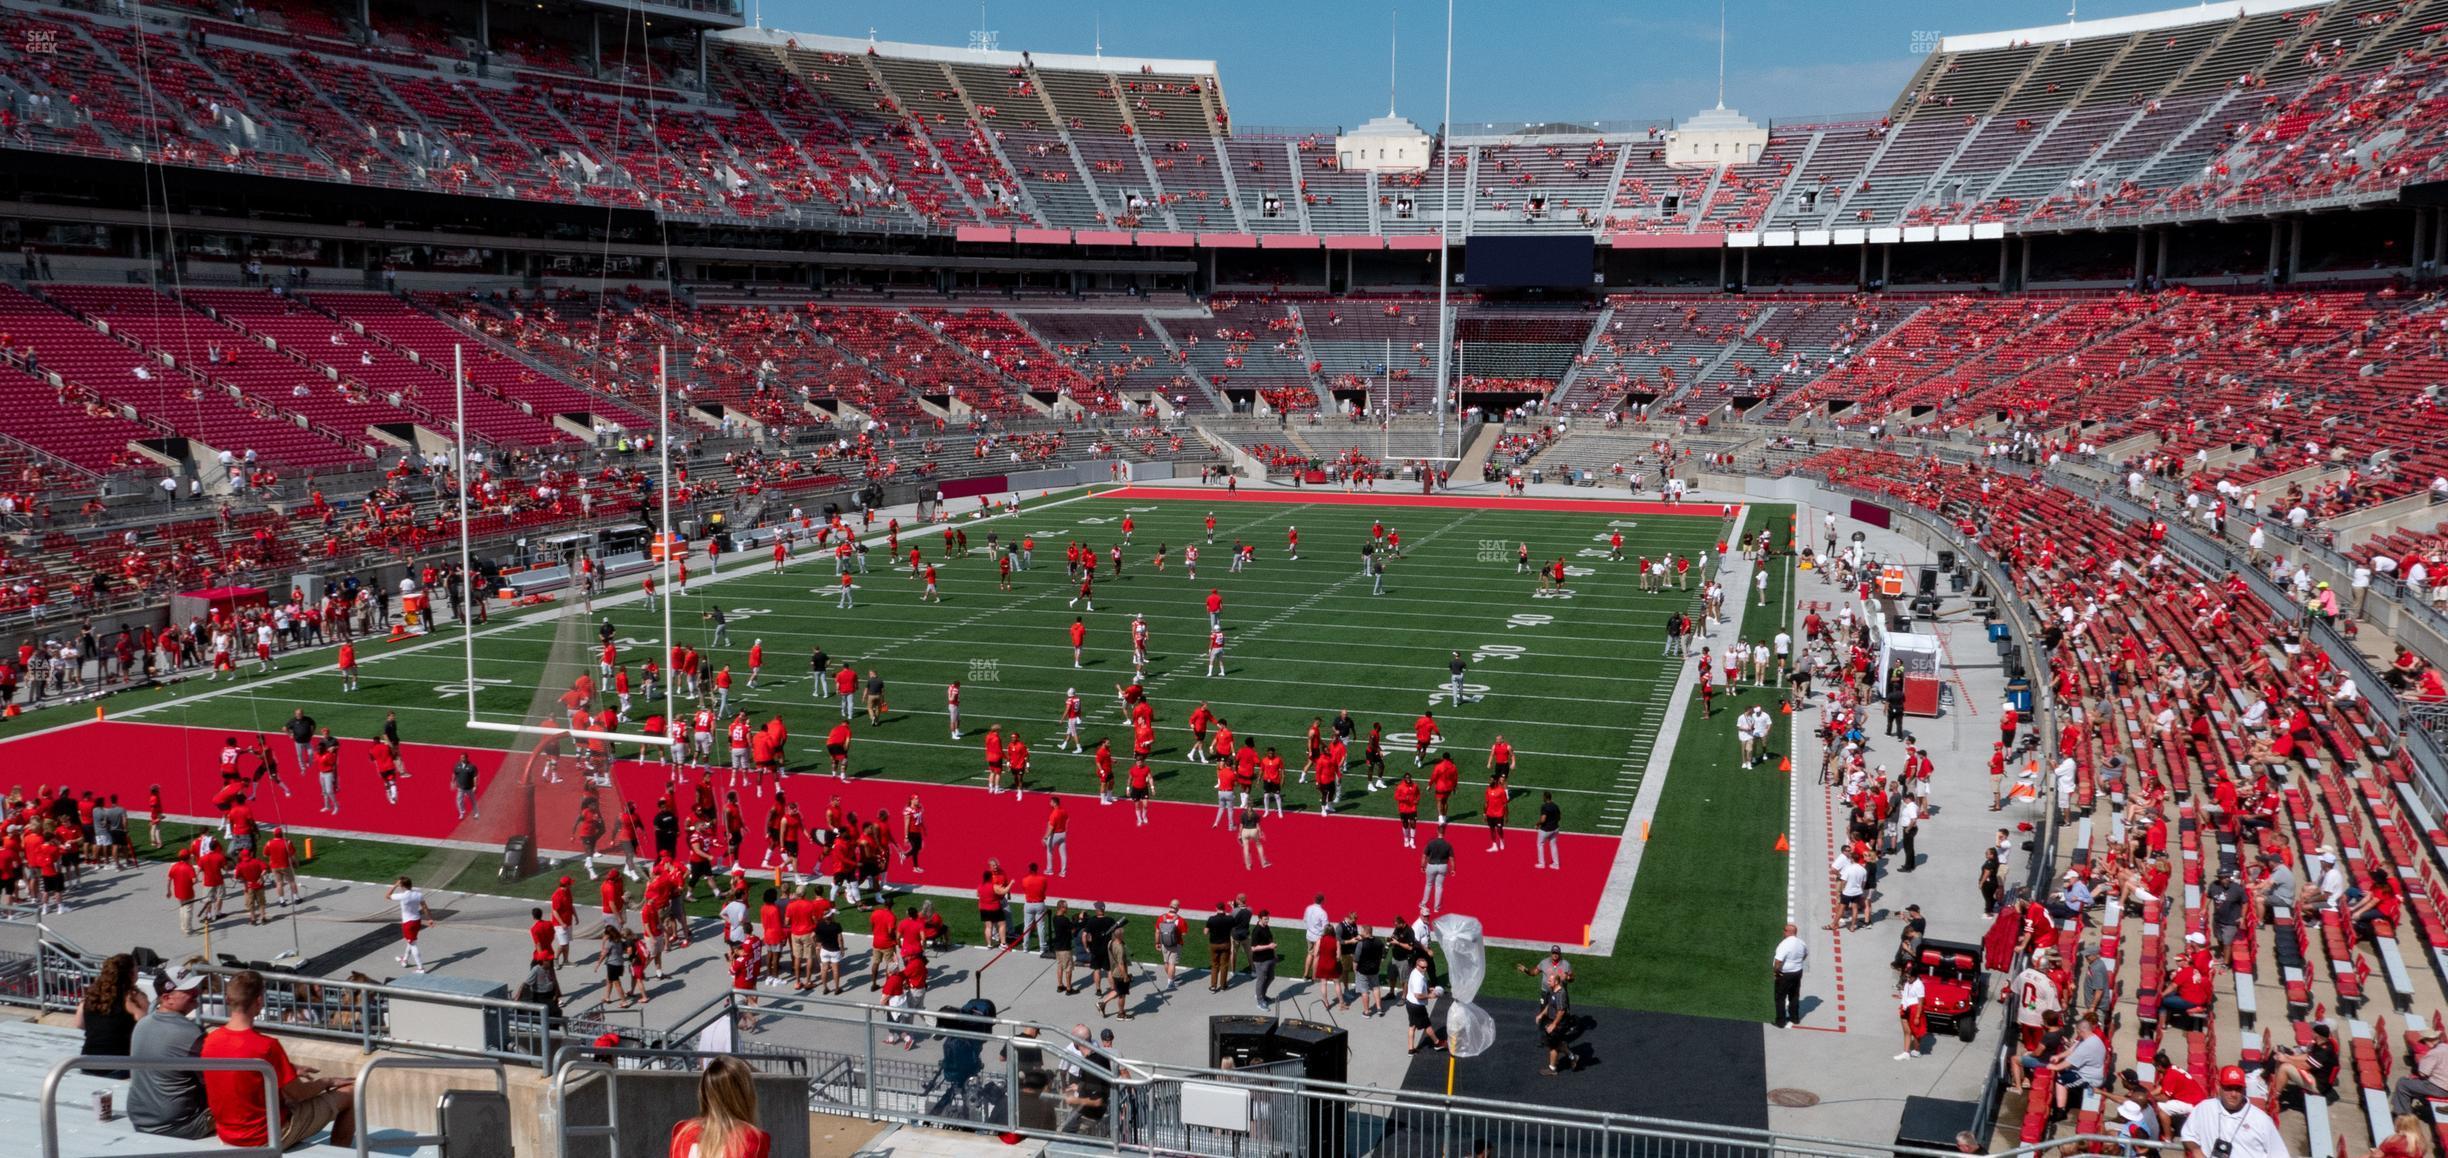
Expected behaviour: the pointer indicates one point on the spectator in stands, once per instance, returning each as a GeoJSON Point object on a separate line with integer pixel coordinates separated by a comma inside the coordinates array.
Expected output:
{"type": "Point", "coordinates": [725, 1125]}
{"type": "Point", "coordinates": [2430, 1076]}
{"type": "Point", "coordinates": [2412, 1139]}
{"type": "Point", "coordinates": [308, 1103]}
{"type": "Point", "coordinates": [109, 1011]}
{"type": "Point", "coordinates": [2081, 1065]}
{"type": "Point", "coordinates": [169, 1102]}
{"type": "Point", "coordinates": [2230, 1126]}
{"type": "Point", "coordinates": [2277, 887]}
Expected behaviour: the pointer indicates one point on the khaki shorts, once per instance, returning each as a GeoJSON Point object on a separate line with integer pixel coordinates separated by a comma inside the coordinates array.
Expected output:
{"type": "Point", "coordinates": [803, 947]}
{"type": "Point", "coordinates": [303, 1120]}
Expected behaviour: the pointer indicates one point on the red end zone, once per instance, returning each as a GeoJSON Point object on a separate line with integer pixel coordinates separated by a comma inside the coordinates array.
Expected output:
{"type": "Point", "coordinates": [1179, 855]}
{"type": "Point", "coordinates": [1461, 502]}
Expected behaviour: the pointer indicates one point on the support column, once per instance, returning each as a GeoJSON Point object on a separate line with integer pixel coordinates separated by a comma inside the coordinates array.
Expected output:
{"type": "Point", "coordinates": [2141, 265]}
{"type": "Point", "coordinates": [2003, 247]}
{"type": "Point", "coordinates": [2023, 281]}
{"type": "Point", "coordinates": [484, 24]}
{"type": "Point", "coordinates": [595, 44]}
{"type": "Point", "coordinates": [2277, 251]}
{"type": "Point", "coordinates": [2294, 263]}
{"type": "Point", "coordinates": [1861, 272]}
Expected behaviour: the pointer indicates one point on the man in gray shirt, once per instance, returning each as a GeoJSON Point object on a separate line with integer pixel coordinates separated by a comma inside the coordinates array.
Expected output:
{"type": "Point", "coordinates": [167, 1102]}
{"type": "Point", "coordinates": [2278, 888]}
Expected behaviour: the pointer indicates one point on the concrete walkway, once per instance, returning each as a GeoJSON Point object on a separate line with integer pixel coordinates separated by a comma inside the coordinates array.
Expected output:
{"type": "Point", "coordinates": [1844, 1052]}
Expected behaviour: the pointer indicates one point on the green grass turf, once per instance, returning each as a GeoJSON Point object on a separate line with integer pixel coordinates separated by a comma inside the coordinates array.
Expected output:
{"type": "Point", "coordinates": [1709, 903]}
{"type": "Point", "coordinates": [1304, 639]}
{"type": "Point", "coordinates": [1581, 701]}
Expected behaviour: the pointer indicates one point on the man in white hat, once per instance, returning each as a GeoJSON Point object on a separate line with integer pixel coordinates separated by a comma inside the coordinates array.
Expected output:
{"type": "Point", "coordinates": [2330, 888]}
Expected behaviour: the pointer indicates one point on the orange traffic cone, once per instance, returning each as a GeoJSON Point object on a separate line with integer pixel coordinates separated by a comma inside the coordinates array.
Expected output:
{"type": "Point", "coordinates": [1784, 763]}
{"type": "Point", "coordinates": [1781, 845]}
{"type": "Point", "coordinates": [1786, 707]}
{"type": "Point", "coordinates": [399, 631]}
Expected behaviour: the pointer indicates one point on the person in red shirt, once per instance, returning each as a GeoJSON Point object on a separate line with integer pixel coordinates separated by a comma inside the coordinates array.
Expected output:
{"type": "Point", "coordinates": [1102, 759]}
{"type": "Point", "coordinates": [1406, 809]}
{"type": "Point", "coordinates": [1498, 797]}
{"type": "Point", "coordinates": [181, 889]}
{"type": "Point", "coordinates": [386, 766]}
{"type": "Point", "coordinates": [565, 918]}
{"type": "Point", "coordinates": [1201, 718]}
{"type": "Point", "coordinates": [209, 867]}
{"type": "Point", "coordinates": [1016, 758]}
{"type": "Point", "coordinates": [775, 934]}
{"type": "Point", "coordinates": [845, 682]}
{"type": "Point", "coordinates": [1270, 782]}
{"type": "Point", "coordinates": [236, 1097]}
{"type": "Point", "coordinates": [1058, 835]}
{"type": "Point", "coordinates": [282, 860]}
{"type": "Point", "coordinates": [1443, 778]}
{"type": "Point", "coordinates": [252, 874]}
{"type": "Point", "coordinates": [348, 666]}
{"type": "Point", "coordinates": [539, 938]}
{"type": "Point", "coordinates": [1228, 782]}
{"type": "Point", "coordinates": [1423, 733]}
{"type": "Point", "coordinates": [1142, 785]}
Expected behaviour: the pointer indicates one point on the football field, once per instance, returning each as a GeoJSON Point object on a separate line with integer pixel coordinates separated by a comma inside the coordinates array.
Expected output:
{"type": "Point", "coordinates": [1576, 681]}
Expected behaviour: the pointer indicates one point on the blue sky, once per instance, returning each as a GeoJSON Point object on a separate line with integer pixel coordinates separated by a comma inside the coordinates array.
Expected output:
{"type": "Point", "coordinates": [1306, 62]}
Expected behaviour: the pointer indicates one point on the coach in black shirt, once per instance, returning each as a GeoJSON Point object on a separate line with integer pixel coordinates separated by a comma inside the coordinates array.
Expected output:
{"type": "Point", "coordinates": [1220, 948]}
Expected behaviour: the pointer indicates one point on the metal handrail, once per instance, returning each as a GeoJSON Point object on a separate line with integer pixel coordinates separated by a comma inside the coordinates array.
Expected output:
{"type": "Point", "coordinates": [357, 1094]}
{"type": "Point", "coordinates": [369, 995]}
{"type": "Point", "coordinates": [271, 1092]}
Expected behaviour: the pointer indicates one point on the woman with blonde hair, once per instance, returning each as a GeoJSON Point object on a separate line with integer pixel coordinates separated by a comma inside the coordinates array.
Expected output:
{"type": "Point", "coordinates": [725, 1125]}
{"type": "Point", "coordinates": [2411, 1140]}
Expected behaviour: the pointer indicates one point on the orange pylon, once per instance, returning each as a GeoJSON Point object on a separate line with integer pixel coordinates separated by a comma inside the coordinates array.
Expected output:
{"type": "Point", "coordinates": [1784, 763]}
{"type": "Point", "coordinates": [1781, 845]}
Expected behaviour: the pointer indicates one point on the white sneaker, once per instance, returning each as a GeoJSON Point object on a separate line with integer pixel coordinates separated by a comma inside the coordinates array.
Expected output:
{"type": "Point", "coordinates": [1907, 1055]}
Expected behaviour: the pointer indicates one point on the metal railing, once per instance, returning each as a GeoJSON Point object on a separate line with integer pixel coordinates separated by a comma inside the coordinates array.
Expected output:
{"type": "Point", "coordinates": [271, 1094]}
{"type": "Point", "coordinates": [1000, 1075]}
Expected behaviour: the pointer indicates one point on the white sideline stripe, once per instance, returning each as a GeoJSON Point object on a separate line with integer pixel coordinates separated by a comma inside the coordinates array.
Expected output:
{"type": "Point", "coordinates": [1617, 895]}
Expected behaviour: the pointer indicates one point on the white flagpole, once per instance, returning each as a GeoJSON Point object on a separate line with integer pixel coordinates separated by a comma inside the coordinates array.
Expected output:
{"type": "Point", "coordinates": [1444, 159]}
{"type": "Point", "coordinates": [671, 679]}
{"type": "Point", "coordinates": [466, 553]}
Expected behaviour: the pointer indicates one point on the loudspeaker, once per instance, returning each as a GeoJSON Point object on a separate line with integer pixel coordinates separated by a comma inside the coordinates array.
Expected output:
{"type": "Point", "coordinates": [1946, 559]}
{"type": "Point", "coordinates": [518, 859]}
{"type": "Point", "coordinates": [1323, 1051]}
{"type": "Point", "coordinates": [1929, 581]}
